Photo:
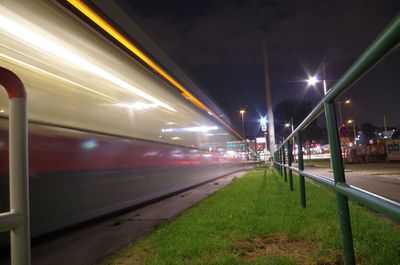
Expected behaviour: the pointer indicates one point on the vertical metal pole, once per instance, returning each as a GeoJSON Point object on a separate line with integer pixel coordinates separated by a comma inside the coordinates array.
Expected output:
{"type": "Point", "coordinates": [324, 81]}
{"type": "Point", "coordinates": [340, 113]}
{"type": "Point", "coordinates": [244, 133]}
{"type": "Point", "coordinates": [338, 172]}
{"type": "Point", "coordinates": [19, 190]}
{"type": "Point", "coordinates": [284, 162]}
{"type": "Point", "coordinates": [290, 151]}
{"type": "Point", "coordinates": [18, 159]}
{"type": "Point", "coordinates": [302, 183]}
{"type": "Point", "coordinates": [281, 159]}
{"type": "Point", "coordinates": [271, 127]}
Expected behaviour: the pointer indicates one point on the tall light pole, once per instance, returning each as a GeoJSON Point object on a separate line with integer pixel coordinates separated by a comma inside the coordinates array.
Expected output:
{"type": "Point", "coordinates": [354, 129]}
{"type": "Point", "coordinates": [267, 79]}
{"type": "Point", "coordinates": [263, 123]}
{"type": "Point", "coordinates": [347, 101]}
{"type": "Point", "coordinates": [324, 76]}
{"type": "Point", "coordinates": [290, 124]}
{"type": "Point", "coordinates": [242, 111]}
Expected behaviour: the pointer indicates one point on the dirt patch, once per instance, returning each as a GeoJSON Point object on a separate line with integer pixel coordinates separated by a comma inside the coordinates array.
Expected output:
{"type": "Point", "coordinates": [132, 256]}
{"type": "Point", "coordinates": [279, 245]}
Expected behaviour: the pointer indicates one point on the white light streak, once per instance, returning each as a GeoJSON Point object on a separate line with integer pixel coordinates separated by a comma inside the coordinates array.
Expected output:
{"type": "Point", "coordinates": [51, 48]}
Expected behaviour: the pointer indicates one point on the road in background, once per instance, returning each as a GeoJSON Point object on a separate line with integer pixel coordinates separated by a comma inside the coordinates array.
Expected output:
{"type": "Point", "coordinates": [379, 178]}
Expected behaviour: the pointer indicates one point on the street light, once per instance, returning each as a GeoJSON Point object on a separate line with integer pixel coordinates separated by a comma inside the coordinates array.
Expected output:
{"type": "Point", "coordinates": [242, 113]}
{"type": "Point", "coordinates": [263, 121]}
{"type": "Point", "coordinates": [354, 129]}
{"type": "Point", "coordinates": [290, 124]}
{"type": "Point", "coordinates": [313, 80]}
{"type": "Point", "coordinates": [347, 101]}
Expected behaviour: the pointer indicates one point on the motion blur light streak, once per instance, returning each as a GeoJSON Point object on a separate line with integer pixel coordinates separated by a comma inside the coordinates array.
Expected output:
{"type": "Point", "coordinates": [201, 129]}
{"type": "Point", "coordinates": [89, 136]}
{"type": "Point", "coordinates": [137, 105]}
{"type": "Point", "coordinates": [191, 129]}
{"type": "Point", "coordinates": [82, 7]}
{"type": "Point", "coordinates": [51, 48]}
{"type": "Point", "coordinates": [36, 69]}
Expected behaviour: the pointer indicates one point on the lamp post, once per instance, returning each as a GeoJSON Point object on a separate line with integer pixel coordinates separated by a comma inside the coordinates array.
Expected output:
{"type": "Point", "coordinates": [290, 124]}
{"type": "Point", "coordinates": [312, 80]}
{"type": "Point", "coordinates": [347, 101]}
{"type": "Point", "coordinates": [242, 113]}
{"type": "Point", "coordinates": [263, 123]}
{"type": "Point", "coordinates": [354, 129]}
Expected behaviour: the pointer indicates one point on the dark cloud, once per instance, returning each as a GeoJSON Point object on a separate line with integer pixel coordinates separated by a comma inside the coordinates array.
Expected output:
{"type": "Point", "coordinates": [220, 43]}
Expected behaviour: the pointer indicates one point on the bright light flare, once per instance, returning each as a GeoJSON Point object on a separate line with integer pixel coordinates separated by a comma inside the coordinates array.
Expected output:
{"type": "Point", "coordinates": [312, 80]}
{"type": "Point", "coordinates": [263, 120]}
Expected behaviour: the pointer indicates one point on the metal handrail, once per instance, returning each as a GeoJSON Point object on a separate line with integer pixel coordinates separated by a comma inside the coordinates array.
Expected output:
{"type": "Point", "coordinates": [383, 45]}
{"type": "Point", "coordinates": [17, 219]}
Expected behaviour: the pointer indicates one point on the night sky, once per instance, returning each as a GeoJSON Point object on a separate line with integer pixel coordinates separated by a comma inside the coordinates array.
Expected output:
{"type": "Point", "coordinates": [219, 44]}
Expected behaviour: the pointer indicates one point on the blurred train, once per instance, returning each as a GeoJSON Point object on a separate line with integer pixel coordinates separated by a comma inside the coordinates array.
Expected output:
{"type": "Point", "coordinates": [105, 132]}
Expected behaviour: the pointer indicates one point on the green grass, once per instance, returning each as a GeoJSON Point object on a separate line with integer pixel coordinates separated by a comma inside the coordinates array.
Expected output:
{"type": "Point", "coordinates": [257, 220]}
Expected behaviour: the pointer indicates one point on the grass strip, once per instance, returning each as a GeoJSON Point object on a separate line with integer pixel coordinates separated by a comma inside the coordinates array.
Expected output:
{"type": "Point", "coordinates": [257, 220]}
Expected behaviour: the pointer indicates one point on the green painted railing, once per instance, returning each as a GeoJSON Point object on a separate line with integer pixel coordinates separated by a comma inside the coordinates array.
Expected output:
{"type": "Point", "coordinates": [386, 42]}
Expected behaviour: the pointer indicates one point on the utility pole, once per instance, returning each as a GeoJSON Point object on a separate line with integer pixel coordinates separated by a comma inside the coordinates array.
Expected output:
{"type": "Point", "coordinates": [271, 127]}
{"type": "Point", "coordinates": [384, 122]}
{"type": "Point", "coordinates": [244, 132]}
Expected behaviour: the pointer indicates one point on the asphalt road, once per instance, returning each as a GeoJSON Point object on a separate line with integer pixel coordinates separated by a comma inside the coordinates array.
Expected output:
{"type": "Point", "coordinates": [379, 178]}
{"type": "Point", "coordinates": [90, 245]}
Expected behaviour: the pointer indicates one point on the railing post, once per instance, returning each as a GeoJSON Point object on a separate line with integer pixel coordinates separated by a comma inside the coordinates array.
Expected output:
{"type": "Point", "coordinates": [281, 160]}
{"type": "Point", "coordinates": [290, 151]}
{"type": "Point", "coordinates": [302, 184]}
{"type": "Point", "coordinates": [18, 153]}
{"type": "Point", "coordinates": [338, 172]}
{"type": "Point", "coordinates": [284, 162]}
